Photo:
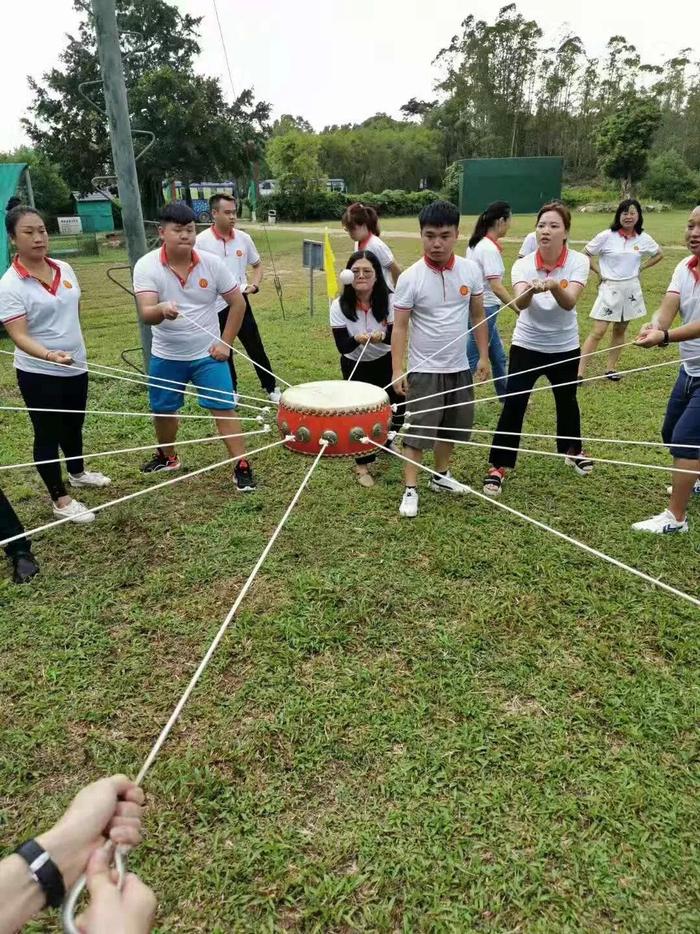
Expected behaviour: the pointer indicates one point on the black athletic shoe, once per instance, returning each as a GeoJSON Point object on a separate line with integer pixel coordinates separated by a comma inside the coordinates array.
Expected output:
{"type": "Point", "coordinates": [161, 461]}
{"type": "Point", "coordinates": [243, 475]}
{"type": "Point", "coordinates": [24, 568]}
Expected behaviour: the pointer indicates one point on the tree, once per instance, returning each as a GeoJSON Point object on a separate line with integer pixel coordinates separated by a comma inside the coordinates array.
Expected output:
{"type": "Point", "coordinates": [51, 193]}
{"type": "Point", "coordinates": [293, 159]}
{"type": "Point", "coordinates": [670, 179]}
{"type": "Point", "coordinates": [288, 122]}
{"type": "Point", "coordinates": [624, 140]}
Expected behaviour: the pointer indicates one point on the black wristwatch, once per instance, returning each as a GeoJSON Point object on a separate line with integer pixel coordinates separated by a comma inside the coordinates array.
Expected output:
{"type": "Point", "coordinates": [44, 872]}
{"type": "Point", "coordinates": [666, 341]}
{"type": "Point", "coordinates": [256, 289]}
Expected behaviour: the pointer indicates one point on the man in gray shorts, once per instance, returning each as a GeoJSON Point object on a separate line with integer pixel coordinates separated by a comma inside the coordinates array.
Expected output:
{"type": "Point", "coordinates": [438, 296]}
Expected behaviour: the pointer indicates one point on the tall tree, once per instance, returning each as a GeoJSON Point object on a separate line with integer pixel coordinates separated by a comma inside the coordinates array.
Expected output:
{"type": "Point", "coordinates": [624, 140]}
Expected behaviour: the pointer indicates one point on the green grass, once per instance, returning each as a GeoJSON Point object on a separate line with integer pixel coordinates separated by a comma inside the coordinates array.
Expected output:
{"type": "Point", "coordinates": [454, 724]}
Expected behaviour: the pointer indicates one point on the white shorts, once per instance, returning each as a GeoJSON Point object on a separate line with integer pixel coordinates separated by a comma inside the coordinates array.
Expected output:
{"type": "Point", "coordinates": [621, 300]}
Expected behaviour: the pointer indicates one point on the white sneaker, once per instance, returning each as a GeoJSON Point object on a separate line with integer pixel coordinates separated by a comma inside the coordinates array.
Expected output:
{"type": "Point", "coordinates": [663, 524]}
{"type": "Point", "coordinates": [88, 478]}
{"type": "Point", "coordinates": [74, 511]}
{"type": "Point", "coordinates": [409, 504]}
{"type": "Point", "coordinates": [275, 395]}
{"type": "Point", "coordinates": [696, 489]}
{"type": "Point", "coordinates": [446, 483]}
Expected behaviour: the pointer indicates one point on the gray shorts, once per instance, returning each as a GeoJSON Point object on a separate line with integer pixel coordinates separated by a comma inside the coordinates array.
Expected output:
{"type": "Point", "coordinates": [452, 388]}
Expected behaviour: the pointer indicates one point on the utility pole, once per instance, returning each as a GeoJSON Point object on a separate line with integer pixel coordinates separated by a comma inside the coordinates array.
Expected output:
{"type": "Point", "coordinates": [122, 143]}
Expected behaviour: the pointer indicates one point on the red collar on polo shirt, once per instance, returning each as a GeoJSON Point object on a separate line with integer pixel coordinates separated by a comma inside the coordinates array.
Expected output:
{"type": "Point", "coordinates": [24, 273]}
{"type": "Point", "coordinates": [436, 266]}
{"type": "Point", "coordinates": [627, 234]}
{"type": "Point", "coordinates": [219, 236]}
{"type": "Point", "coordinates": [540, 263]}
{"type": "Point", "coordinates": [166, 262]}
{"type": "Point", "coordinates": [693, 264]}
{"type": "Point", "coordinates": [362, 245]}
{"type": "Point", "coordinates": [363, 306]}
{"type": "Point", "coordinates": [495, 243]}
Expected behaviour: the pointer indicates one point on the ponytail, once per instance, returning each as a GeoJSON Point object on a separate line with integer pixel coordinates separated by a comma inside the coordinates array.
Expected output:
{"type": "Point", "coordinates": [358, 215]}
{"type": "Point", "coordinates": [494, 212]}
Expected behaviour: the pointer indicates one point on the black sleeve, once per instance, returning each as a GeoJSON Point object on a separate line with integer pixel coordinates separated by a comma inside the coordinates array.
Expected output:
{"type": "Point", "coordinates": [387, 336]}
{"type": "Point", "coordinates": [343, 341]}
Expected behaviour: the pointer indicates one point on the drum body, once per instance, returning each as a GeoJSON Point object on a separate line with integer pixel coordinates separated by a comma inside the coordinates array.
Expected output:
{"type": "Point", "coordinates": [339, 411]}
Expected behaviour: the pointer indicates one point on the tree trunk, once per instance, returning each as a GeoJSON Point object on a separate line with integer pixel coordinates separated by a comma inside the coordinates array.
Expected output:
{"type": "Point", "coordinates": [626, 187]}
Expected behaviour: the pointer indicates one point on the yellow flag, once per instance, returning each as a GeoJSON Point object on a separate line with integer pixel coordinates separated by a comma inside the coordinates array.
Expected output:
{"type": "Point", "coordinates": [329, 265]}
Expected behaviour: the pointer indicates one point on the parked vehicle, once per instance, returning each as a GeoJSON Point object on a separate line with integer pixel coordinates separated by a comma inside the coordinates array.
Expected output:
{"type": "Point", "coordinates": [200, 192]}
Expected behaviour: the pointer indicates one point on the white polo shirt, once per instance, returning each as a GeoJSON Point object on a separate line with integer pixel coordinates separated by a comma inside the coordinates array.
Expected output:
{"type": "Point", "coordinates": [376, 245]}
{"type": "Point", "coordinates": [529, 245]}
{"type": "Point", "coordinates": [487, 256]}
{"type": "Point", "coordinates": [544, 325]}
{"type": "Point", "coordinates": [237, 252]}
{"type": "Point", "coordinates": [621, 256]}
{"type": "Point", "coordinates": [685, 282]}
{"type": "Point", "coordinates": [196, 297]}
{"type": "Point", "coordinates": [52, 314]}
{"type": "Point", "coordinates": [366, 323]}
{"type": "Point", "coordinates": [438, 300]}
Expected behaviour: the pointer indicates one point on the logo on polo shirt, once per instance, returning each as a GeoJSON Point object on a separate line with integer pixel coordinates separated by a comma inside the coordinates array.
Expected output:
{"type": "Point", "coordinates": [203, 283]}
{"type": "Point", "coordinates": [68, 285]}
{"type": "Point", "coordinates": [464, 290]}
{"type": "Point", "coordinates": [239, 252]}
{"type": "Point", "coordinates": [636, 247]}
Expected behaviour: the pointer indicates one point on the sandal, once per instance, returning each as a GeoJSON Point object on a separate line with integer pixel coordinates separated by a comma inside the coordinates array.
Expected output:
{"type": "Point", "coordinates": [364, 478]}
{"type": "Point", "coordinates": [581, 463]}
{"type": "Point", "coordinates": [493, 481]}
{"type": "Point", "coordinates": [613, 376]}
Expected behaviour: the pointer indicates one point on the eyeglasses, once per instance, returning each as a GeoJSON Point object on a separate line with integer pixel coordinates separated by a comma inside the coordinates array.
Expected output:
{"type": "Point", "coordinates": [363, 273]}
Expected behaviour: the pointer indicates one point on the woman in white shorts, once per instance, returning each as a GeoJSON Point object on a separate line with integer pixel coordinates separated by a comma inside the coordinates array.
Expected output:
{"type": "Point", "coordinates": [618, 257]}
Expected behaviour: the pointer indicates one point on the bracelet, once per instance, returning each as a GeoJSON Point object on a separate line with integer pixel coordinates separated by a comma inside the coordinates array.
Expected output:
{"type": "Point", "coordinates": [666, 341]}
{"type": "Point", "coordinates": [43, 871]}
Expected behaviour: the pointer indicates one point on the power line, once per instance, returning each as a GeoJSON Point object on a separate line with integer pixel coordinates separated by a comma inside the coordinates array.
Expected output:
{"type": "Point", "coordinates": [223, 46]}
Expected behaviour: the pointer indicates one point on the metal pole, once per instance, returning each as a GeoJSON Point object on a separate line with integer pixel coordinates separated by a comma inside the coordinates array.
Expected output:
{"type": "Point", "coordinates": [311, 289]}
{"type": "Point", "coordinates": [30, 190]}
{"type": "Point", "coordinates": [122, 144]}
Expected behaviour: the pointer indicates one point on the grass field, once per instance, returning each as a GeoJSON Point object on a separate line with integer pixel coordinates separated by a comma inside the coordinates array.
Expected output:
{"type": "Point", "coordinates": [454, 724]}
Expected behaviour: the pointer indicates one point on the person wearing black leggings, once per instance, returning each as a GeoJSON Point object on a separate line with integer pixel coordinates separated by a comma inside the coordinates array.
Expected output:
{"type": "Point", "coordinates": [39, 306]}
{"type": "Point", "coordinates": [24, 564]}
{"type": "Point", "coordinates": [363, 315]}
{"type": "Point", "coordinates": [547, 284]}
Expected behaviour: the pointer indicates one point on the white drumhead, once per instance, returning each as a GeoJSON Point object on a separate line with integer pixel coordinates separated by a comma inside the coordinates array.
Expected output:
{"type": "Point", "coordinates": [336, 395]}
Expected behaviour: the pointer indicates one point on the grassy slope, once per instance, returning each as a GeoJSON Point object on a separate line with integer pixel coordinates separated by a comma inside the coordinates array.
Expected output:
{"type": "Point", "coordinates": [458, 723]}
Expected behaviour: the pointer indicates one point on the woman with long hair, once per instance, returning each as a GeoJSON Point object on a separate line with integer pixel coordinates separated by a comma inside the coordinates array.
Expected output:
{"type": "Point", "coordinates": [40, 308]}
{"type": "Point", "coordinates": [486, 251]}
{"type": "Point", "coordinates": [363, 316]}
{"type": "Point", "coordinates": [362, 224]}
{"type": "Point", "coordinates": [618, 255]}
{"type": "Point", "coordinates": [547, 285]}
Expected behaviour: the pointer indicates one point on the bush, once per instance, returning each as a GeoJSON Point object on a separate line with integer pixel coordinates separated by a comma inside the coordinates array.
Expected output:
{"type": "Point", "coordinates": [670, 179]}
{"type": "Point", "coordinates": [450, 182]}
{"type": "Point", "coordinates": [574, 196]}
{"type": "Point", "coordinates": [329, 205]}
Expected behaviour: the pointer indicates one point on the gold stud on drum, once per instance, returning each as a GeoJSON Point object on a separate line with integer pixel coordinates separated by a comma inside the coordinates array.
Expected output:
{"type": "Point", "coordinates": [303, 434]}
{"type": "Point", "coordinates": [330, 436]}
{"type": "Point", "coordinates": [357, 434]}
{"type": "Point", "coordinates": [377, 430]}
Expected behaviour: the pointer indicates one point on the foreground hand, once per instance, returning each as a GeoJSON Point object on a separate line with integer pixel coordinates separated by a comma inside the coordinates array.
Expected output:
{"type": "Point", "coordinates": [59, 356]}
{"type": "Point", "coordinates": [376, 337]}
{"type": "Point", "coordinates": [129, 910]}
{"type": "Point", "coordinates": [401, 384]}
{"type": "Point", "coordinates": [219, 351]}
{"type": "Point", "coordinates": [168, 310]}
{"type": "Point", "coordinates": [483, 370]}
{"type": "Point", "coordinates": [538, 285]}
{"type": "Point", "coordinates": [362, 338]}
{"type": "Point", "coordinates": [107, 809]}
{"type": "Point", "coordinates": [649, 336]}
{"type": "Point", "coordinates": [548, 284]}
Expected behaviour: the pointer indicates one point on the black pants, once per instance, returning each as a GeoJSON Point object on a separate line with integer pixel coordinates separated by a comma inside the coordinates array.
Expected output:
{"type": "Point", "coordinates": [249, 336]}
{"type": "Point", "coordinates": [11, 526]}
{"type": "Point", "coordinates": [378, 373]}
{"type": "Point", "coordinates": [511, 421]}
{"type": "Point", "coordinates": [54, 430]}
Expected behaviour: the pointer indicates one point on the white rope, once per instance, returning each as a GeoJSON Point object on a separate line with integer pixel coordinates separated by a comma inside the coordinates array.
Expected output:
{"type": "Point", "coordinates": [542, 366]}
{"type": "Point", "coordinates": [148, 489]}
{"type": "Point", "coordinates": [24, 408]}
{"type": "Point", "coordinates": [532, 434]}
{"type": "Point", "coordinates": [220, 340]}
{"type": "Point", "coordinates": [459, 337]}
{"type": "Point", "coordinates": [357, 363]}
{"type": "Point", "coordinates": [547, 528]}
{"type": "Point", "coordinates": [522, 392]}
{"type": "Point", "coordinates": [84, 368]}
{"type": "Point", "coordinates": [598, 460]}
{"type": "Point", "coordinates": [144, 378]}
{"type": "Point", "coordinates": [224, 626]}
{"type": "Point", "coordinates": [144, 447]}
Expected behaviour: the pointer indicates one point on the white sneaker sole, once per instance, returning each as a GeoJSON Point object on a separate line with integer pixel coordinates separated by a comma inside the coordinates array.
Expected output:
{"type": "Point", "coordinates": [437, 488]}
{"type": "Point", "coordinates": [81, 483]}
{"type": "Point", "coordinates": [680, 531]}
{"type": "Point", "coordinates": [407, 515]}
{"type": "Point", "coordinates": [81, 518]}
{"type": "Point", "coordinates": [492, 491]}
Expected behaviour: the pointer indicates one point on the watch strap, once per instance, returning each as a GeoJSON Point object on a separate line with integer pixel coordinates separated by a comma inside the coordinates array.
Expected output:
{"type": "Point", "coordinates": [44, 872]}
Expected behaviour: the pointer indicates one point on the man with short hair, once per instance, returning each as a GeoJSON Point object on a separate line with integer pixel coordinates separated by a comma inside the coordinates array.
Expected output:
{"type": "Point", "coordinates": [177, 292]}
{"type": "Point", "coordinates": [438, 295]}
{"type": "Point", "coordinates": [681, 428]}
{"type": "Point", "coordinates": [237, 251]}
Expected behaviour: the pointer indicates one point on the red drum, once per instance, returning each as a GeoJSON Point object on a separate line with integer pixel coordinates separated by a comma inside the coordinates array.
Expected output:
{"type": "Point", "coordinates": [339, 411]}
